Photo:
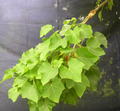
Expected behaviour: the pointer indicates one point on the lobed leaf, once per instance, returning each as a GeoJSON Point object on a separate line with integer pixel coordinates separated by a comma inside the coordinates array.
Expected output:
{"type": "Point", "coordinates": [46, 105]}
{"type": "Point", "coordinates": [8, 74]}
{"type": "Point", "coordinates": [74, 70]}
{"type": "Point", "coordinates": [85, 31]}
{"type": "Point", "coordinates": [73, 35]}
{"type": "Point", "coordinates": [45, 29]}
{"type": "Point", "coordinates": [53, 90]}
{"type": "Point", "coordinates": [101, 38]}
{"type": "Point", "coordinates": [86, 57]}
{"type": "Point", "coordinates": [30, 92]}
{"type": "Point", "coordinates": [13, 93]}
{"type": "Point", "coordinates": [47, 72]}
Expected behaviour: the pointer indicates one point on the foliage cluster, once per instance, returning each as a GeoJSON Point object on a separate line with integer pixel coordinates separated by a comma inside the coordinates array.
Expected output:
{"type": "Point", "coordinates": [54, 71]}
{"type": "Point", "coordinates": [60, 68]}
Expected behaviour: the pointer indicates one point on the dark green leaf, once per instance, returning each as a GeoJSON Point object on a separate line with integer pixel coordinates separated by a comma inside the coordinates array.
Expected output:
{"type": "Point", "coordinates": [100, 15]}
{"type": "Point", "coordinates": [93, 74]}
{"type": "Point", "coordinates": [69, 96]}
{"type": "Point", "coordinates": [53, 90]}
{"type": "Point", "coordinates": [74, 70]}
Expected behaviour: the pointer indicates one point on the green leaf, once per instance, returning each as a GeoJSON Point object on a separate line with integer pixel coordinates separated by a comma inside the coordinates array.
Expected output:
{"type": "Point", "coordinates": [31, 73]}
{"type": "Point", "coordinates": [53, 90]}
{"type": "Point", "coordinates": [92, 42]}
{"type": "Point", "coordinates": [100, 15]}
{"type": "Point", "coordinates": [27, 55]}
{"type": "Point", "coordinates": [93, 76]}
{"type": "Point", "coordinates": [64, 29]}
{"type": "Point", "coordinates": [101, 38]}
{"type": "Point", "coordinates": [44, 47]}
{"type": "Point", "coordinates": [85, 31]}
{"type": "Point", "coordinates": [8, 74]}
{"type": "Point", "coordinates": [47, 72]}
{"type": "Point", "coordinates": [110, 4]}
{"type": "Point", "coordinates": [20, 81]}
{"type": "Point", "coordinates": [94, 47]}
{"type": "Point", "coordinates": [58, 63]}
{"type": "Point", "coordinates": [45, 105]}
{"type": "Point", "coordinates": [79, 86]}
{"type": "Point", "coordinates": [86, 57]}
{"type": "Point", "coordinates": [45, 29]}
{"type": "Point", "coordinates": [13, 93]}
{"type": "Point", "coordinates": [66, 50]}
{"type": "Point", "coordinates": [73, 35]}
{"type": "Point", "coordinates": [69, 96]}
{"type": "Point", "coordinates": [32, 62]}
{"type": "Point", "coordinates": [19, 68]}
{"type": "Point", "coordinates": [74, 70]}
{"type": "Point", "coordinates": [56, 41]}
{"type": "Point", "coordinates": [96, 51]}
{"type": "Point", "coordinates": [30, 92]}
{"type": "Point", "coordinates": [32, 106]}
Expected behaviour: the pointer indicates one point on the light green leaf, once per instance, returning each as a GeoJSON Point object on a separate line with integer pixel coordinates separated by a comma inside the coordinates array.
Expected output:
{"type": "Point", "coordinates": [53, 90]}
{"type": "Point", "coordinates": [58, 63]}
{"type": "Point", "coordinates": [94, 47]}
{"type": "Point", "coordinates": [64, 29]}
{"type": "Point", "coordinates": [101, 38]}
{"type": "Point", "coordinates": [44, 47]}
{"type": "Point", "coordinates": [20, 81]}
{"type": "Point", "coordinates": [8, 74]}
{"type": "Point", "coordinates": [47, 72]}
{"type": "Point", "coordinates": [66, 50]}
{"type": "Point", "coordinates": [73, 35]}
{"type": "Point", "coordinates": [96, 51]}
{"type": "Point", "coordinates": [92, 42]}
{"type": "Point", "coordinates": [31, 73]}
{"type": "Point", "coordinates": [30, 92]}
{"type": "Point", "coordinates": [93, 76]}
{"type": "Point", "coordinates": [69, 96]}
{"type": "Point", "coordinates": [85, 31]}
{"type": "Point", "coordinates": [56, 41]}
{"type": "Point", "coordinates": [19, 68]}
{"type": "Point", "coordinates": [45, 105]}
{"type": "Point", "coordinates": [32, 62]}
{"type": "Point", "coordinates": [26, 55]}
{"type": "Point", "coordinates": [74, 70]}
{"type": "Point", "coordinates": [13, 93]}
{"type": "Point", "coordinates": [45, 29]}
{"type": "Point", "coordinates": [70, 83]}
{"type": "Point", "coordinates": [86, 57]}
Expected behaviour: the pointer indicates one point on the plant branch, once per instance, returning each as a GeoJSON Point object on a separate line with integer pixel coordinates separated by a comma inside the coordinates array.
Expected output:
{"type": "Point", "coordinates": [93, 12]}
{"type": "Point", "coordinates": [90, 15]}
